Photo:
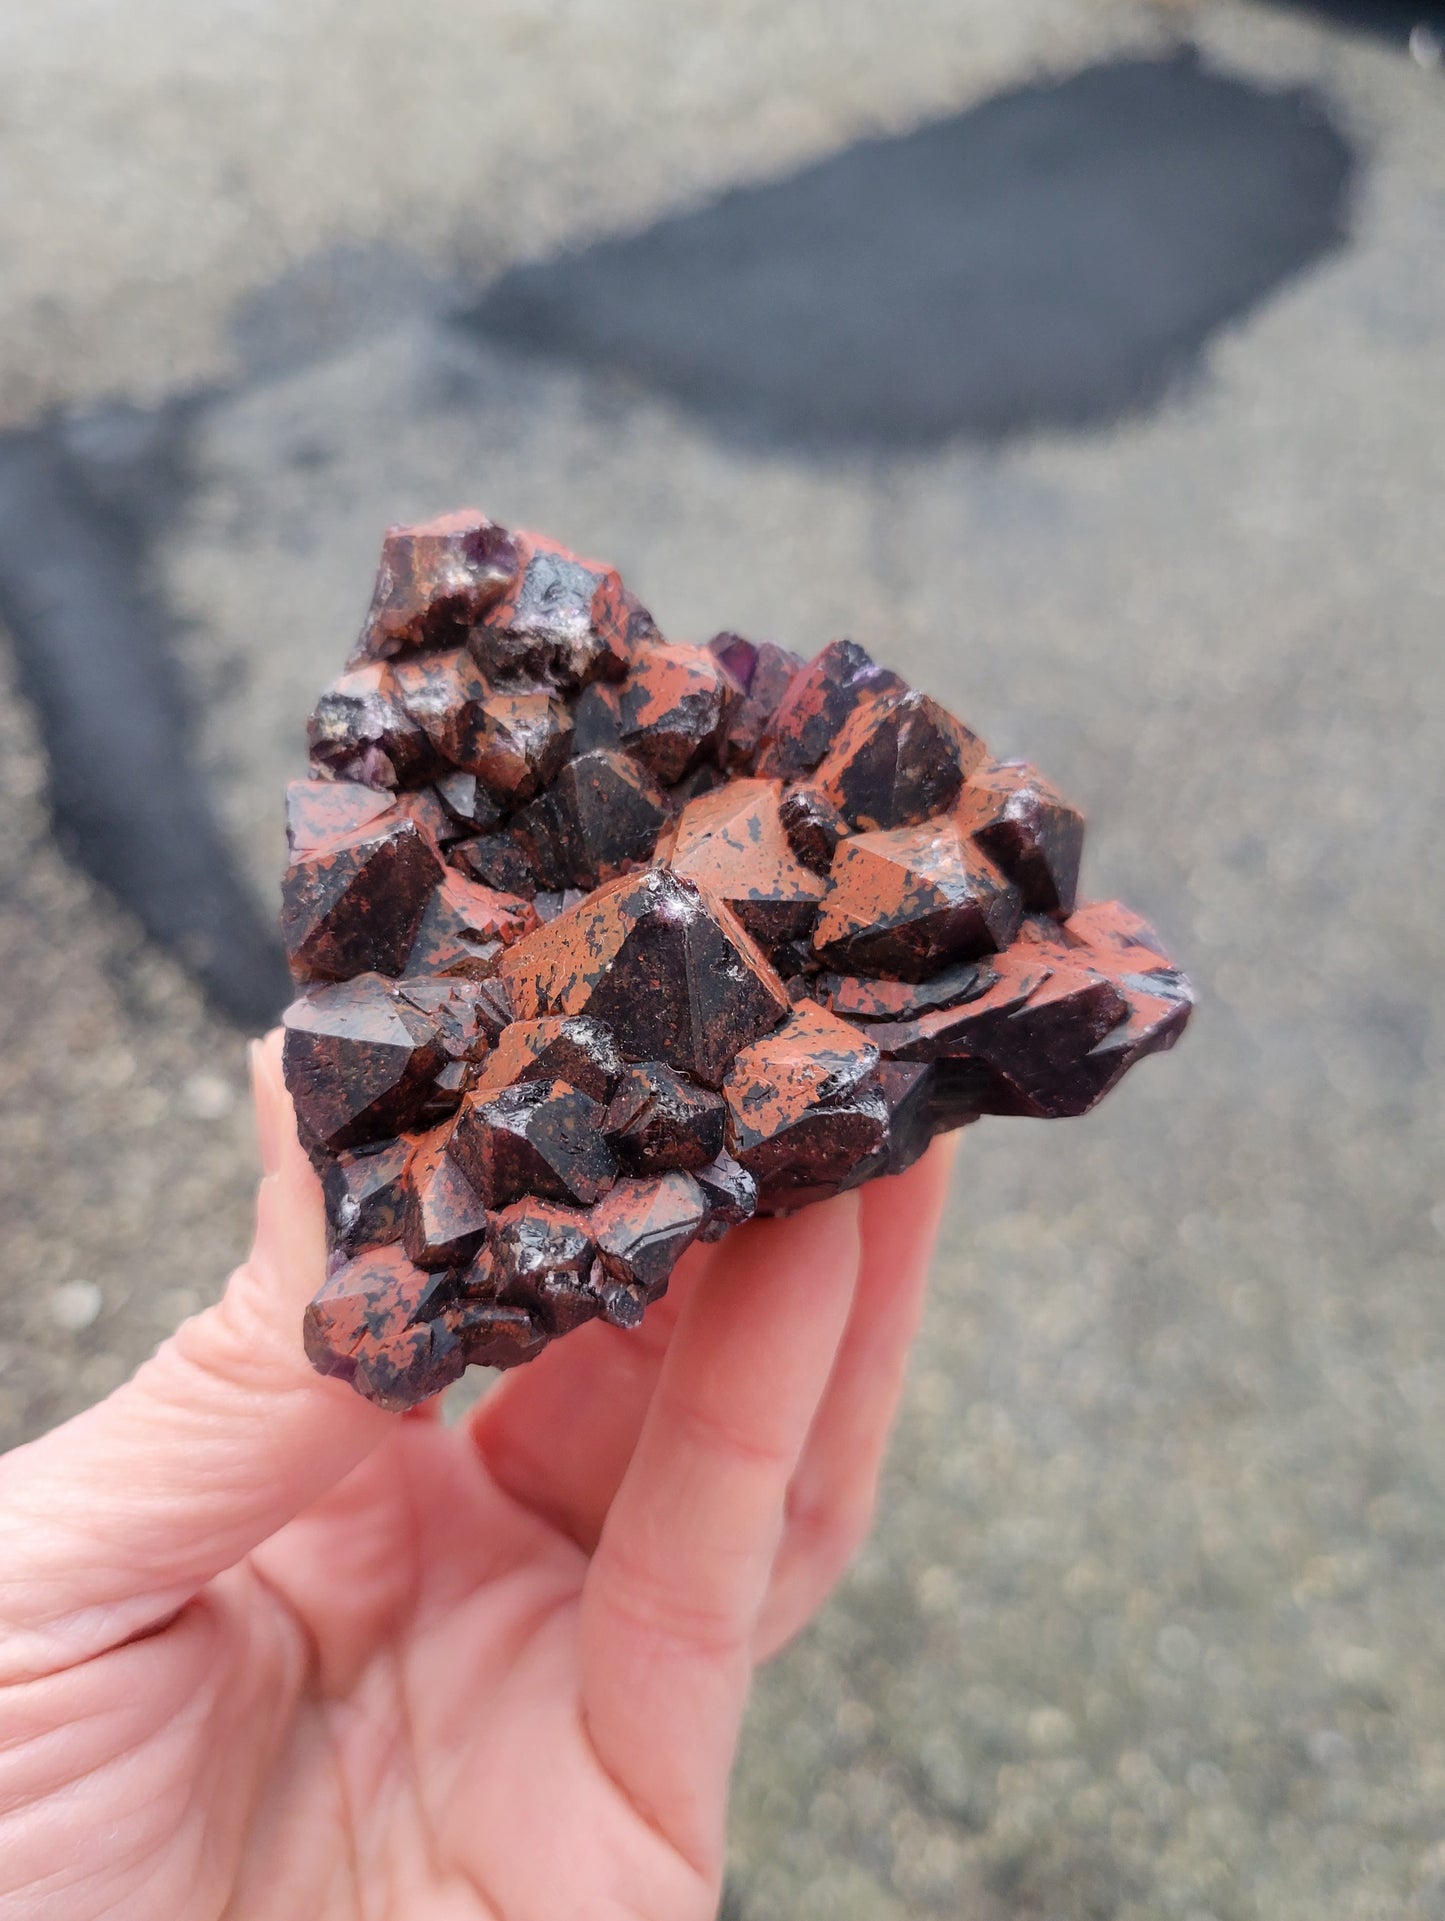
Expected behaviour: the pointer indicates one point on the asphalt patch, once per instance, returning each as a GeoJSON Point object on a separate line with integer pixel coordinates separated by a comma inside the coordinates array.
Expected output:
{"type": "Point", "coordinates": [90, 641]}
{"type": "Point", "coordinates": [1057, 256]}
{"type": "Point", "coordinates": [1393, 20]}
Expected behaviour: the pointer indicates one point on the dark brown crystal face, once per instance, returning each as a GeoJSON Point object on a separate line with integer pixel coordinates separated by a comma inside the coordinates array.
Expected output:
{"type": "Point", "coordinates": [608, 942]}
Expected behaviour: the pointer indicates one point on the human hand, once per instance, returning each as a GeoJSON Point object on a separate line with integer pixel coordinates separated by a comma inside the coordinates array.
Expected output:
{"type": "Point", "coordinates": [266, 1651]}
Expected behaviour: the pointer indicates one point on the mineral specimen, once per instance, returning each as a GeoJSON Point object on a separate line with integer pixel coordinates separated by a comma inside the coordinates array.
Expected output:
{"type": "Point", "coordinates": [665, 965]}
{"type": "Point", "coordinates": [801, 1111]}
{"type": "Point", "coordinates": [898, 760]}
{"type": "Point", "coordinates": [446, 1220]}
{"type": "Point", "coordinates": [359, 1060]}
{"type": "Point", "coordinates": [607, 943]}
{"type": "Point", "coordinates": [601, 815]}
{"type": "Point", "coordinates": [434, 581]}
{"type": "Point", "coordinates": [537, 1137]}
{"type": "Point", "coordinates": [542, 1258]}
{"type": "Point", "coordinates": [355, 900]}
{"type": "Point", "coordinates": [906, 900]}
{"type": "Point", "coordinates": [733, 844]}
{"type": "Point", "coordinates": [640, 1230]}
{"type": "Point", "coordinates": [659, 1120]}
{"type": "Point", "coordinates": [671, 707]}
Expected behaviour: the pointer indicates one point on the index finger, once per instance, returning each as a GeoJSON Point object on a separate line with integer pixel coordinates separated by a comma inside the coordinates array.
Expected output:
{"type": "Point", "coordinates": [672, 1599]}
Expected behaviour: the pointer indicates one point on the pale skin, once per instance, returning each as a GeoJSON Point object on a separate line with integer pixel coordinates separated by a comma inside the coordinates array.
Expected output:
{"type": "Point", "coordinates": [268, 1652]}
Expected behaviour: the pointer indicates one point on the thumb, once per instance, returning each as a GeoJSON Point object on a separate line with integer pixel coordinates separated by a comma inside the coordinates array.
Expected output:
{"type": "Point", "coordinates": [112, 1522]}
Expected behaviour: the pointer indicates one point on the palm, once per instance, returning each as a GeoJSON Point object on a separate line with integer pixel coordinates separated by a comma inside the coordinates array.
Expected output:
{"type": "Point", "coordinates": [490, 1671]}
{"type": "Point", "coordinates": [428, 1726]}
{"type": "Point", "coordinates": [437, 1732]}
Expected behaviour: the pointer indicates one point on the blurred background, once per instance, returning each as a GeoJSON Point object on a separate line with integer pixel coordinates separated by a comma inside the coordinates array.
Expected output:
{"type": "Point", "coordinates": [1083, 358]}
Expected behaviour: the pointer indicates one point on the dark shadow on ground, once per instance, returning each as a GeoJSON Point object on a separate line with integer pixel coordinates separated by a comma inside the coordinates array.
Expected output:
{"type": "Point", "coordinates": [83, 502]}
{"type": "Point", "coordinates": [1393, 20]}
{"type": "Point", "coordinates": [1057, 256]}
{"type": "Point", "coordinates": [77, 504]}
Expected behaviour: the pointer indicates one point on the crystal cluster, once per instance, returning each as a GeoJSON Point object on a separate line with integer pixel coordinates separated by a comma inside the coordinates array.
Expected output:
{"type": "Point", "coordinates": [606, 943]}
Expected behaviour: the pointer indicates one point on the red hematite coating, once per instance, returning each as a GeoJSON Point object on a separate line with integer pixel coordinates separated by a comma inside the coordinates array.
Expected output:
{"type": "Point", "coordinates": [899, 759]}
{"type": "Point", "coordinates": [543, 1258]}
{"type": "Point", "coordinates": [671, 708]}
{"type": "Point", "coordinates": [733, 844]}
{"type": "Point", "coordinates": [608, 942]}
{"type": "Point", "coordinates": [599, 818]}
{"type": "Point", "coordinates": [1028, 829]}
{"type": "Point", "coordinates": [444, 1222]}
{"type": "Point", "coordinates": [434, 580]}
{"type": "Point", "coordinates": [537, 1137]}
{"type": "Point", "coordinates": [322, 811]}
{"type": "Point", "coordinates": [659, 1120]}
{"type": "Point", "coordinates": [560, 617]}
{"type": "Point", "coordinates": [579, 1051]}
{"type": "Point", "coordinates": [819, 699]}
{"type": "Point", "coordinates": [762, 671]}
{"type": "Point", "coordinates": [905, 900]}
{"type": "Point", "coordinates": [463, 927]}
{"type": "Point", "coordinates": [640, 1230]}
{"type": "Point", "coordinates": [669, 969]}
{"type": "Point", "coordinates": [356, 900]}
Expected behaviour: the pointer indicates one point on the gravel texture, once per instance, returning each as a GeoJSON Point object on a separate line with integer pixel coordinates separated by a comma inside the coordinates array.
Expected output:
{"type": "Point", "coordinates": [1153, 1620]}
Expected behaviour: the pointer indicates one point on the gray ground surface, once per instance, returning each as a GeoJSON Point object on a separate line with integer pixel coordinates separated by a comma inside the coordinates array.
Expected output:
{"type": "Point", "coordinates": [1153, 1621]}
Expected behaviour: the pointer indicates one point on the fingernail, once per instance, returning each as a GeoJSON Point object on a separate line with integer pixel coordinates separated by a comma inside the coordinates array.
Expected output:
{"type": "Point", "coordinates": [270, 1119]}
